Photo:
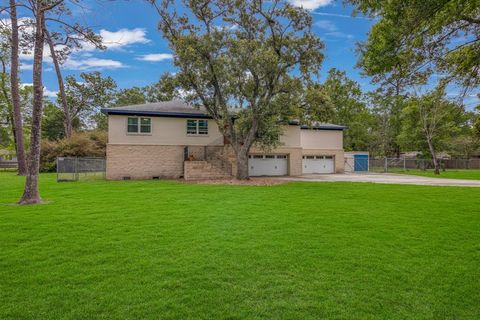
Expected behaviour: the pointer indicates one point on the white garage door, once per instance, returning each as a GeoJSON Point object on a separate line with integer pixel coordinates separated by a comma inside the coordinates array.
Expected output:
{"type": "Point", "coordinates": [318, 164]}
{"type": "Point", "coordinates": [267, 165]}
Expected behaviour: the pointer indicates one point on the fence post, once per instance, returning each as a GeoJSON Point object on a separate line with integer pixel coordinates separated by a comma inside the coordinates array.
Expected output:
{"type": "Point", "coordinates": [385, 165]}
{"type": "Point", "coordinates": [404, 164]}
{"type": "Point", "coordinates": [76, 169]}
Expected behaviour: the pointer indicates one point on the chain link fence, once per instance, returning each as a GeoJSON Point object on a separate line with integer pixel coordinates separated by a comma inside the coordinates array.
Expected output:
{"type": "Point", "coordinates": [77, 169]}
{"type": "Point", "coordinates": [411, 164]}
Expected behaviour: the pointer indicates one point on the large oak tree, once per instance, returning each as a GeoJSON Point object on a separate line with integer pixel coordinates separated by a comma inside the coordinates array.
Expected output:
{"type": "Point", "coordinates": [260, 58]}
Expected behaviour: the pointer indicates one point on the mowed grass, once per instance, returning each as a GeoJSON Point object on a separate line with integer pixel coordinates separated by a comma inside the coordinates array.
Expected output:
{"type": "Point", "coordinates": [471, 174]}
{"type": "Point", "coordinates": [167, 250]}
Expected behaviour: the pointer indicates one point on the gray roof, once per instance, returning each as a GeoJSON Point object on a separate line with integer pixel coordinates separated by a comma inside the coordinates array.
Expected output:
{"type": "Point", "coordinates": [181, 109]}
{"type": "Point", "coordinates": [174, 108]}
{"type": "Point", "coordinates": [325, 126]}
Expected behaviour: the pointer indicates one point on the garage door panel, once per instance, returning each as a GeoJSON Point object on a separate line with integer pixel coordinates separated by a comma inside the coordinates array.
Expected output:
{"type": "Point", "coordinates": [268, 165]}
{"type": "Point", "coordinates": [318, 164]}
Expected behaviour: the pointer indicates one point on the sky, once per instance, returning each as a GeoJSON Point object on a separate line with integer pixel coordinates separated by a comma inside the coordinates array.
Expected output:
{"type": "Point", "coordinates": [137, 54]}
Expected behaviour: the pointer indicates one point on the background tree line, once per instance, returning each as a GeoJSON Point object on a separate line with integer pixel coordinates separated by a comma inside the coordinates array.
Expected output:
{"type": "Point", "coordinates": [373, 123]}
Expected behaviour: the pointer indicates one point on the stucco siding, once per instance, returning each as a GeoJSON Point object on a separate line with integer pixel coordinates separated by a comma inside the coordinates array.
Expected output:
{"type": "Point", "coordinates": [321, 139]}
{"type": "Point", "coordinates": [165, 131]}
{"type": "Point", "coordinates": [290, 137]}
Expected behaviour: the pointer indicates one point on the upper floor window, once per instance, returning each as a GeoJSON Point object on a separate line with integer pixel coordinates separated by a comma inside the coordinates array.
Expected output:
{"type": "Point", "coordinates": [197, 127]}
{"type": "Point", "coordinates": [139, 125]}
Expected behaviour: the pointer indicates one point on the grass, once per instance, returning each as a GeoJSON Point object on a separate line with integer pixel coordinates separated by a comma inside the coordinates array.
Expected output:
{"type": "Point", "coordinates": [162, 249]}
{"type": "Point", "coordinates": [471, 174]}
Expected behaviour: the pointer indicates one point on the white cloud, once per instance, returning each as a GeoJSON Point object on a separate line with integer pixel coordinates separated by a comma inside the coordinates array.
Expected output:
{"type": "Point", "coordinates": [93, 63]}
{"type": "Point", "coordinates": [326, 25]}
{"type": "Point", "coordinates": [332, 30]}
{"type": "Point", "coordinates": [338, 34]}
{"type": "Point", "coordinates": [311, 4]}
{"type": "Point", "coordinates": [49, 93]}
{"type": "Point", "coordinates": [26, 66]}
{"type": "Point", "coordinates": [46, 92]}
{"type": "Point", "coordinates": [123, 37]}
{"type": "Point", "coordinates": [338, 15]}
{"type": "Point", "coordinates": [155, 57]}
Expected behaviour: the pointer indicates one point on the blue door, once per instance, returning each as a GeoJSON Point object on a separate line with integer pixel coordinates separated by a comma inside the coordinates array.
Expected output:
{"type": "Point", "coordinates": [360, 162]}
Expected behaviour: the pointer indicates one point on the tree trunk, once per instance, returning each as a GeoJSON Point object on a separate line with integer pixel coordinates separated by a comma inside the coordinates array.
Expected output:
{"type": "Point", "coordinates": [6, 96]}
{"type": "Point", "coordinates": [242, 163]}
{"type": "Point", "coordinates": [15, 90]}
{"type": "Point", "coordinates": [31, 194]}
{"type": "Point", "coordinates": [434, 156]}
{"type": "Point", "coordinates": [67, 118]}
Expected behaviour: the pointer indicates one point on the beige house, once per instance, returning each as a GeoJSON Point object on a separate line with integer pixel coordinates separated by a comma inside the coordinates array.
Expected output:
{"type": "Point", "coordinates": [174, 140]}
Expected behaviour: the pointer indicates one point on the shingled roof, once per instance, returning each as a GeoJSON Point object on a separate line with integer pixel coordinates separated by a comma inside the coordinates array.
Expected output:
{"type": "Point", "coordinates": [174, 108]}
{"type": "Point", "coordinates": [181, 109]}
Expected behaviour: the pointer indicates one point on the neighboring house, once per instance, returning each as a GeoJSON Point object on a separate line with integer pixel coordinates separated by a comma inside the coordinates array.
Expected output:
{"type": "Point", "coordinates": [173, 140]}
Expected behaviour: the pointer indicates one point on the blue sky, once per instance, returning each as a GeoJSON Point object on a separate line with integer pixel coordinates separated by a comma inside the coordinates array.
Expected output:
{"type": "Point", "coordinates": [137, 55]}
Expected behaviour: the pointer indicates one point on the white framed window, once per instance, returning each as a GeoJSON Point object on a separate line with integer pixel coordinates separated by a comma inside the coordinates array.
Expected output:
{"type": "Point", "coordinates": [197, 127]}
{"type": "Point", "coordinates": [139, 125]}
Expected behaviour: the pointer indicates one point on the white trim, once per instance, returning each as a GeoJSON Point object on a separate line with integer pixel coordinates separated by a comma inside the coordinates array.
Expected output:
{"type": "Point", "coordinates": [138, 133]}
{"type": "Point", "coordinates": [197, 128]}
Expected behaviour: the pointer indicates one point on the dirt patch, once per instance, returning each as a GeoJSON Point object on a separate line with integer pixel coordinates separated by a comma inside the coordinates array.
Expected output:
{"type": "Point", "coordinates": [250, 182]}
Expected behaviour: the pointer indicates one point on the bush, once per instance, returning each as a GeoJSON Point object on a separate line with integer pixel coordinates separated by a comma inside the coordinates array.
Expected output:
{"type": "Point", "coordinates": [82, 144]}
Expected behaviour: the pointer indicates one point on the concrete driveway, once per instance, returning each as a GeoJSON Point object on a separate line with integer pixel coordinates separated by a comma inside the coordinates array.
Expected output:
{"type": "Point", "coordinates": [387, 178]}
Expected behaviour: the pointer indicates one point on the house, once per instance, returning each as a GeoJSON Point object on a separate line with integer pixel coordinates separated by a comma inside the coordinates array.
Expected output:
{"type": "Point", "coordinates": [173, 140]}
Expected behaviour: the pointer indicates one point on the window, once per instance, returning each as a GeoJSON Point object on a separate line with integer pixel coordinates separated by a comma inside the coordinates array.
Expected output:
{"type": "Point", "coordinates": [256, 156]}
{"type": "Point", "coordinates": [269, 156]}
{"type": "Point", "coordinates": [281, 157]}
{"type": "Point", "coordinates": [191, 126]}
{"type": "Point", "coordinates": [197, 127]}
{"type": "Point", "coordinates": [202, 126]}
{"type": "Point", "coordinates": [145, 125]}
{"type": "Point", "coordinates": [139, 125]}
{"type": "Point", "coordinates": [132, 126]}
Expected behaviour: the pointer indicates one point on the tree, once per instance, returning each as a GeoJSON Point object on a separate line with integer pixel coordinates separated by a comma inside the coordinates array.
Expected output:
{"type": "Point", "coordinates": [130, 96]}
{"type": "Point", "coordinates": [349, 110]}
{"type": "Point", "coordinates": [413, 38]}
{"type": "Point", "coordinates": [166, 89]}
{"type": "Point", "coordinates": [14, 85]}
{"type": "Point", "coordinates": [53, 122]}
{"type": "Point", "coordinates": [74, 36]}
{"type": "Point", "coordinates": [87, 97]}
{"type": "Point", "coordinates": [430, 121]}
{"type": "Point", "coordinates": [6, 108]}
{"type": "Point", "coordinates": [30, 193]}
{"type": "Point", "coordinates": [250, 56]}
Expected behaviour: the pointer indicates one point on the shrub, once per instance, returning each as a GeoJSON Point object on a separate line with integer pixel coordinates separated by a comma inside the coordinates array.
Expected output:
{"type": "Point", "coordinates": [81, 144]}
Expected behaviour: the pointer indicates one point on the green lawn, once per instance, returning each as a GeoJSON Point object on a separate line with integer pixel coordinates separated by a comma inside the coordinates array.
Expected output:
{"type": "Point", "coordinates": [471, 174]}
{"type": "Point", "coordinates": [166, 250]}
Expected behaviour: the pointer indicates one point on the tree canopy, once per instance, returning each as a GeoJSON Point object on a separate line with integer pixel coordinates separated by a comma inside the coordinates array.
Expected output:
{"type": "Point", "coordinates": [414, 38]}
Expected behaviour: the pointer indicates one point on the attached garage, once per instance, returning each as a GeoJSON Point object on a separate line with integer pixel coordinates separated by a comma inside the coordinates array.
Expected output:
{"type": "Point", "coordinates": [318, 164]}
{"type": "Point", "coordinates": [267, 165]}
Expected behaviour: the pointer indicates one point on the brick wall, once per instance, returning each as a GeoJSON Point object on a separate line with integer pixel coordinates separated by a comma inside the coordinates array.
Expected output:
{"type": "Point", "coordinates": [144, 161]}
{"type": "Point", "coordinates": [202, 170]}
